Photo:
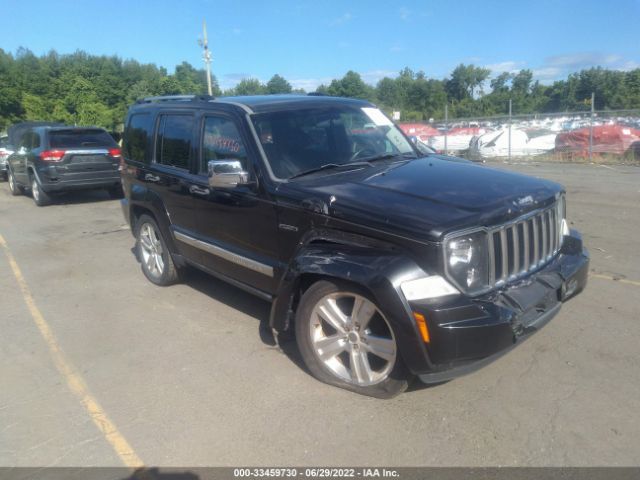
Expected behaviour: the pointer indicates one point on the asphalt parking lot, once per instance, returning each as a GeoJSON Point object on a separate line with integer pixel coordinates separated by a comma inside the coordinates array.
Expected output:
{"type": "Point", "coordinates": [187, 377]}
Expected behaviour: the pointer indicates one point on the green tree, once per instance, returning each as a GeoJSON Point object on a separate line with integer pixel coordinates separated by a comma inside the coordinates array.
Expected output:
{"type": "Point", "coordinates": [249, 86]}
{"type": "Point", "coordinates": [351, 86]}
{"type": "Point", "coordinates": [277, 84]}
{"type": "Point", "coordinates": [388, 93]}
{"type": "Point", "coordinates": [466, 80]}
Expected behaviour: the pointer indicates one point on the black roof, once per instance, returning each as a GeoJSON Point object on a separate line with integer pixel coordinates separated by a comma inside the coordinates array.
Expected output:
{"type": "Point", "coordinates": [258, 103]}
{"type": "Point", "coordinates": [269, 103]}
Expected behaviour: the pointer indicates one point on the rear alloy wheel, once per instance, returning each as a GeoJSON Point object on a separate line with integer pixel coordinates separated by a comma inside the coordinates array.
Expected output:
{"type": "Point", "coordinates": [155, 259]}
{"type": "Point", "coordinates": [40, 197]}
{"type": "Point", "coordinates": [14, 188]}
{"type": "Point", "coordinates": [345, 340]}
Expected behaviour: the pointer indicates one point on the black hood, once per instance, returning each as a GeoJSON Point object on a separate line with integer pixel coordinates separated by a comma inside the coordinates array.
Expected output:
{"type": "Point", "coordinates": [423, 198]}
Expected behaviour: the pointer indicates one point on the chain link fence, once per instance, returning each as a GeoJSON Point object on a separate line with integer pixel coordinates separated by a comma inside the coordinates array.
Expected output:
{"type": "Point", "coordinates": [596, 136]}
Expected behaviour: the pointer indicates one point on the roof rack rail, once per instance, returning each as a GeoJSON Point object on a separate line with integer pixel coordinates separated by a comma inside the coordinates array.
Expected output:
{"type": "Point", "coordinates": [318, 94]}
{"type": "Point", "coordinates": [176, 98]}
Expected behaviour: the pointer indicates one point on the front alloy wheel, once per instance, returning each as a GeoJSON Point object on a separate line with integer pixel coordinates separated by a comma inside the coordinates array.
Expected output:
{"type": "Point", "coordinates": [346, 340]}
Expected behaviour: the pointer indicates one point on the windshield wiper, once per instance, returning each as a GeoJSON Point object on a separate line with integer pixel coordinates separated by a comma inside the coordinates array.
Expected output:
{"type": "Point", "coordinates": [388, 156]}
{"type": "Point", "coordinates": [330, 166]}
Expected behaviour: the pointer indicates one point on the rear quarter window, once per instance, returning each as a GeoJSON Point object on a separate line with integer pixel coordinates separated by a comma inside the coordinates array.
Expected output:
{"type": "Point", "coordinates": [135, 140]}
{"type": "Point", "coordinates": [80, 139]}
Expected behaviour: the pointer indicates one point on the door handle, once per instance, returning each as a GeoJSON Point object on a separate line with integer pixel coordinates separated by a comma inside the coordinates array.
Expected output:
{"type": "Point", "coordinates": [149, 177]}
{"type": "Point", "coordinates": [199, 190]}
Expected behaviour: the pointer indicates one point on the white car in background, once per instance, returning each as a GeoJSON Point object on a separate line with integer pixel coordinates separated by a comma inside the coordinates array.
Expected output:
{"type": "Point", "coordinates": [5, 151]}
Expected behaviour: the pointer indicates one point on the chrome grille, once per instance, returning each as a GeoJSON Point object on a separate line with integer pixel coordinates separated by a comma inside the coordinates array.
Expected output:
{"type": "Point", "coordinates": [524, 245]}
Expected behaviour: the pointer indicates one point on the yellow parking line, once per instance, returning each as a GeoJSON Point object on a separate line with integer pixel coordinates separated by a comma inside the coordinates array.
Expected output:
{"type": "Point", "coordinates": [75, 382]}
{"type": "Point", "coordinates": [615, 279]}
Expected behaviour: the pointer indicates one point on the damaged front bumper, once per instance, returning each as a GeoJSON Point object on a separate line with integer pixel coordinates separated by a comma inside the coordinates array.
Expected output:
{"type": "Point", "coordinates": [468, 333]}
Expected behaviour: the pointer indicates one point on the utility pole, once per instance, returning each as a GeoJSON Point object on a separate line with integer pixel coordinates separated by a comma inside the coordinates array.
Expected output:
{"type": "Point", "coordinates": [446, 126]}
{"type": "Point", "coordinates": [593, 99]}
{"type": "Point", "coordinates": [206, 55]}
{"type": "Point", "coordinates": [510, 120]}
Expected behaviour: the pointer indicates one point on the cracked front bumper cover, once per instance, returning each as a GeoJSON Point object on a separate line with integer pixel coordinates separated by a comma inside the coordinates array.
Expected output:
{"type": "Point", "coordinates": [469, 333]}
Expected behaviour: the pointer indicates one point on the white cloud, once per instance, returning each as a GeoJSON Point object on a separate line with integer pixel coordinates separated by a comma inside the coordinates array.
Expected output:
{"type": "Point", "coordinates": [629, 65]}
{"type": "Point", "coordinates": [309, 84]}
{"type": "Point", "coordinates": [230, 80]}
{"type": "Point", "coordinates": [342, 19]}
{"type": "Point", "coordinates": [236, 31]}
{"type": "Point", "coordinates": [510, 66]}
{"type": "Point", "coordinates": [405, 14]}
{"type": "Point", "coordinates": [582, 60]}
{"type": "Point", "coordinates": [560, 66]}
{"type": "Point", "coordinates": [547, 74]}
{"type": "Point", "coordinates": [374, 76]}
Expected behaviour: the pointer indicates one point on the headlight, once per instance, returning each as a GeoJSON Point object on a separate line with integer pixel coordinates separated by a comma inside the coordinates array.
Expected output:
{"type": "Point", "coordinates": [467, 261]}
{"type": "Point", "coordinates": [562, 215]}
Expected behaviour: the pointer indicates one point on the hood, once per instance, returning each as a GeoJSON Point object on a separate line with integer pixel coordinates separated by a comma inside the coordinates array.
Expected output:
{"type": "Point", "coordinates": [424, 198]}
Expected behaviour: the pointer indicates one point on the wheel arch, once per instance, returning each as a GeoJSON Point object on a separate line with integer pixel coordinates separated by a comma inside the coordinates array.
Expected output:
{"type": "Point", "coordinates": [149, 203]}
{"type": "Point", "coordinates": [379, 273]}
{"type": "Point", "coordinates": [376, 271]}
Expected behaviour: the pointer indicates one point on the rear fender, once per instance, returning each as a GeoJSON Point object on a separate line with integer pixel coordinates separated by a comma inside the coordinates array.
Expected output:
{"type": "Point", "coordinates": [143, 201]}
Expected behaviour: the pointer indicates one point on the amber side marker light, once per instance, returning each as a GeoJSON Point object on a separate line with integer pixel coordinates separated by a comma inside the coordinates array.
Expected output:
{"type": "Point", "coordinates": [422, 326]}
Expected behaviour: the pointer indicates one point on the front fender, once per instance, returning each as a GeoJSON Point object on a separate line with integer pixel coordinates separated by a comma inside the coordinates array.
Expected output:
{"type": "Point", "coordinates": [379, 272]}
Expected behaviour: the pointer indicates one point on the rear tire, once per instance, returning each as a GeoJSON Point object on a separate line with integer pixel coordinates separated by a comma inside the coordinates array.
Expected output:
{"type": "Point", "coordinates": [151, 249]}
{"type": "Point", "coordinates": [345, 340]}
{"type": "Point", "coordinates": [14, 188]}
{"type": "Point", "coordinates": [40, 197]}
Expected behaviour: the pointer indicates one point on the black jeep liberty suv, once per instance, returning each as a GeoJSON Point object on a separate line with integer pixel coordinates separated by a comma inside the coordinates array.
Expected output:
{"type": "Point", "coordinates": [386, 263]}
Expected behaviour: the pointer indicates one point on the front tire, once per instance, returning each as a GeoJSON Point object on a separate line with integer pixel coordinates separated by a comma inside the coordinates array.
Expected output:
{"type": "Point", "coordinates": [151, 249]}
{"type": "Point", "coordinates": [40, 197]}
{"type": "Point", "coordinates": [345, 340]}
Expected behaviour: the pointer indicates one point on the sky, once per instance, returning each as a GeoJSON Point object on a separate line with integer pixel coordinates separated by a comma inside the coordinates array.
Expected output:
{"type": "Point", "coordinates": [310, 42]}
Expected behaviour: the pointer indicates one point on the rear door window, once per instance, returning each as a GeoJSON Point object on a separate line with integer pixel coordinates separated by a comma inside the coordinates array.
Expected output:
{"type": "Point", "coordinates": [135, 140]}
{"type": "Point", "coordinates": [173, 143]}
{"type": "Point", "coordinates": [80, 138]}
{"type": "Point", "coordinates": [29, 141]}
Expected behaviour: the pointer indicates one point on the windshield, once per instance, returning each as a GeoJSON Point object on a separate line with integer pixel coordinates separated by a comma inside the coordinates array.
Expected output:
{"type": "Point", "coordinates": [297, 141]}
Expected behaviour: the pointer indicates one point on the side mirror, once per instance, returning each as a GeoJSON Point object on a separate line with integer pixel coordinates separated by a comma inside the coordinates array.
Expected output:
{"type": "Point", "coordinates": [226, 174]}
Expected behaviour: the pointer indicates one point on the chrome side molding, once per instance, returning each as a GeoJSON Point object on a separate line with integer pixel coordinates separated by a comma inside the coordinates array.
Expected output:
{"type": "Point", "coordinates": [225, 254]}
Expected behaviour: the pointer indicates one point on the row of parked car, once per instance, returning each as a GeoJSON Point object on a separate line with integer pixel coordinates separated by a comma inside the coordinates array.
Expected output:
{"type": "Point", "coordinates": [385, 261]}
